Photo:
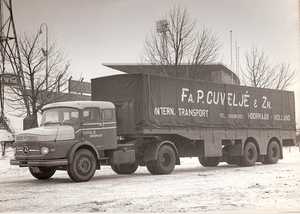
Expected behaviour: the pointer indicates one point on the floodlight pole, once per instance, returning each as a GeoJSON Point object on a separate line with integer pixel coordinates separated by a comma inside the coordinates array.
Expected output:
{"type": "Point", "coordinates": [46, 53]}
{"type": "Point", "coordinates": [162, 26]}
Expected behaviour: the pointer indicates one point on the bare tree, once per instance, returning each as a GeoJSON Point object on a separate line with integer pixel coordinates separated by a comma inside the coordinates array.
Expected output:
{"type": "Point", "coordinates": [34, 90]}
{"type": "Point", "coordinates": [260, 72]}
{"type": "Point", "coordinates": [176, 42]}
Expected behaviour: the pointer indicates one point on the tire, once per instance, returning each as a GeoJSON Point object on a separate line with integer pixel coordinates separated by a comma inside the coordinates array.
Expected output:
{"type": "Point", "coordinates": [273, 153]}
{"type": "Point", "coordinates": [209, 161]}
{"type": "Point", "coordinates": [2, 147]}
{"type": "Point", "coordinates": [152, 168]}
{"type": "Point", "coordinates": [250, 155]}
{"type": "Point", "coordinates": [124, 168]}
{"type": "Point", "coordinates": [230, 160]}
{"type": "Point", "coordinates": [83, 166]}
{"type": "Point", "coordinates": [115, 169]}
{"type": "Point", "coordinates": [238, 160]}
{"type": "Point", "coordinates": [165, 162]}
{"type": "Point", "coordinates": [42, 172]}
{"type": "Point", "coordinates": [202, 161]}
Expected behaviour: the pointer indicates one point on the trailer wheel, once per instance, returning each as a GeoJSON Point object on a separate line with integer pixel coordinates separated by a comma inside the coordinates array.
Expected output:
{"type": "Point", "coordinates": [125, 168]}
{"type": "Point", "coordinates": [165, 162]}
{"type": "Point", "coordinates": [83, 166]}
{"type": "Point", "coordinates": [273, 153]}
{"type": "Point", "coordinates": [42, 172]}
{"type": "Point", "coordinates": [250, 155]}
{"type": "Point", "coordinates": [209, 161]}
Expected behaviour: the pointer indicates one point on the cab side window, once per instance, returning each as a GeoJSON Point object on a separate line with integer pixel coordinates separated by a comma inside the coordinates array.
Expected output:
{"type": "Point", "coordinates": [108, 115]}
{"type": "Point", "coordinates": [91, 115]}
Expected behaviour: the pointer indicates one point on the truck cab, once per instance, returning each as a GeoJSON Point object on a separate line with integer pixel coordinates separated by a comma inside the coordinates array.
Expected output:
{"type": "Point", "coordinates": [72, 136]}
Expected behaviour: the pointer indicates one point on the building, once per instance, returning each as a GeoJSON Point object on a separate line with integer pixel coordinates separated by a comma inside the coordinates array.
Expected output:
{"type": "Point", "coordinates": [212, 73]}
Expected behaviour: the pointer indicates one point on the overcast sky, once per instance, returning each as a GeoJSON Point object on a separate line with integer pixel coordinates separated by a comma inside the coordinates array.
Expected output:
{"type": "Point", "coordinates": [93, 32]}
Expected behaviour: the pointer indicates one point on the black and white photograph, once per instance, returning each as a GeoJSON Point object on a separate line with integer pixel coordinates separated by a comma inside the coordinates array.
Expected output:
{"type": "Point", "coordinates": [130, 106]}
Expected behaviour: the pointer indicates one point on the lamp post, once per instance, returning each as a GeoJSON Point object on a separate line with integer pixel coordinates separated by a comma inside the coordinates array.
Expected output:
{"type": "Point", "coordinates": [45, 52]}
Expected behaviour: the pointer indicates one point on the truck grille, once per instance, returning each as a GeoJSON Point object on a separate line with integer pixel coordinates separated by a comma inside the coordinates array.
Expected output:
{"type": "Point", "coordinates": [26, 150]}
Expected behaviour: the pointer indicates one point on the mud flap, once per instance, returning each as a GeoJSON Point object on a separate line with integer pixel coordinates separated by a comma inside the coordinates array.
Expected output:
{"type": "Point", "coordinates": [150, 153]}
{"type": "Point", "coordinates": [288, 142]}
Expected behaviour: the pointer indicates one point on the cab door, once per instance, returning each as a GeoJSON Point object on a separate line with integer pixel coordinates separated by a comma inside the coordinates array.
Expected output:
{"type": "Point", "coordinates": [92, 130]}
{"type": "Point", "coordinates": [99, 127]}
{"type": "Point", "coordinates": [109, 125]}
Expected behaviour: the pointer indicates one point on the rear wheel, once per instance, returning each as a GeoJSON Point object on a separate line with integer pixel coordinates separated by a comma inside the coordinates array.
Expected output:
{"type": "Point", "coordinates": [273, 153]}
{"type": "Point", "coordinates": [115, 169]}
{"type": "Point", "coordinates": [124, 168]}
{"type": "Point", "coordinates": [238, 160]}
{"type": "Point", "coordinates": [165, 162]}
{"type": "Point", "coordinates": [152, 168]}
{"type": "Point", "coordinates": [83, 166]}
{"type": "Point", "coordinates": [42, 172]}
{"type": "Point", "coordinates": [250, 155]}
{"type": "Point", "coordinates": [230, 160]}
{"type": "Point", "coordinates": [209, 161]}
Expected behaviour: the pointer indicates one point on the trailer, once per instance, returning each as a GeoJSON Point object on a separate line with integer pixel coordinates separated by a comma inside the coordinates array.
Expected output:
{"type": "Point", "coordinates": [146, 120]}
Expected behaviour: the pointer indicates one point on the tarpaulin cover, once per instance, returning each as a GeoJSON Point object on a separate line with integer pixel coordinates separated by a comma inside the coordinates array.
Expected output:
{"type": "Point", "coordinates": [167, 102]}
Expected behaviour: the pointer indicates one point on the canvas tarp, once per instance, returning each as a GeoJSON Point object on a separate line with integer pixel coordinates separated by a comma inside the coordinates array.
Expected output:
{"type": "Point", "coordinates": [168, 102]}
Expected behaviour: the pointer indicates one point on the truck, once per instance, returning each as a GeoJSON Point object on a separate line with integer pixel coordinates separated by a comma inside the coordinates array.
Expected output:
{"type": "Point", "coordinates": [137, 120]}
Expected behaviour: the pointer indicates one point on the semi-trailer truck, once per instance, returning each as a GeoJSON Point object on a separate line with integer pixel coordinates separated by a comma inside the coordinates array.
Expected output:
{"type": "Point", "coordinates": [146, 120]}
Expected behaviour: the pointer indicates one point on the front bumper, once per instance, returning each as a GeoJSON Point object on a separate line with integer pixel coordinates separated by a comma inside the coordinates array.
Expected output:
{"type": "Point", "coordinates": [45, 163]}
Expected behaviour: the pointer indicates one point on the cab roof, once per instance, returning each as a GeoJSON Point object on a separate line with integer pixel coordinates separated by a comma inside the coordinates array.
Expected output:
{"type": "Point", "coordinates": [80, 104]}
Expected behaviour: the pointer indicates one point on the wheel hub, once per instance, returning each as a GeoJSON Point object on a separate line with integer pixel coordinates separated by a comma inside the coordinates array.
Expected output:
{"type": "Point", "coordinates": [250, 154]}
{"type": "Point", "coordinates": [84, 165]}
{"type": "Point", "coordinates": [166, 159]}
{"type": "Point", "coordinates": [274, 152]}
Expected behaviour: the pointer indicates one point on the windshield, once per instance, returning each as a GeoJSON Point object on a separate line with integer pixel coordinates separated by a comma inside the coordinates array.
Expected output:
{"type": "Point", "coordinates": [60, 116]}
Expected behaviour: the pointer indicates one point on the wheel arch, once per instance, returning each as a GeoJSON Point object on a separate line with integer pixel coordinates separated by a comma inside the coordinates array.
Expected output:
{"type": "Point", "coordinates": [85, 145]}
{"type": "Point", "coordinates": [253, 140]}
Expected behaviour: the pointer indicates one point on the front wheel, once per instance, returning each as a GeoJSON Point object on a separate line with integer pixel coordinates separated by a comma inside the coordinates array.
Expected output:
{"type": "Point", "coordinates": [83, 166]}
{"type": "Point", "coordinates": [42, 172]}
{"type": "Point", "coordinates": [165, 162]}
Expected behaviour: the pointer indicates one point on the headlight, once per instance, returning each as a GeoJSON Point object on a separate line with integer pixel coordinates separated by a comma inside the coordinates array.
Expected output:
{"type": "Point", "coordinates": [44, 150]}
{"type": "Point", "coordinates": [15, 150]}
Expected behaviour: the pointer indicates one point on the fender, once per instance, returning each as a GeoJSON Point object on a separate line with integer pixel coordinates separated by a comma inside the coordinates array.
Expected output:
{"type": "Point", "coordinates": [152, 151]}
{"type": "Point", "coordinates": [85, 144]}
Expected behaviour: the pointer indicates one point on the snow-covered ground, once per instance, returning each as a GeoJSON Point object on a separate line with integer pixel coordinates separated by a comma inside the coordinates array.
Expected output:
{"type": "Point", "coordinates": [190, 188]}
